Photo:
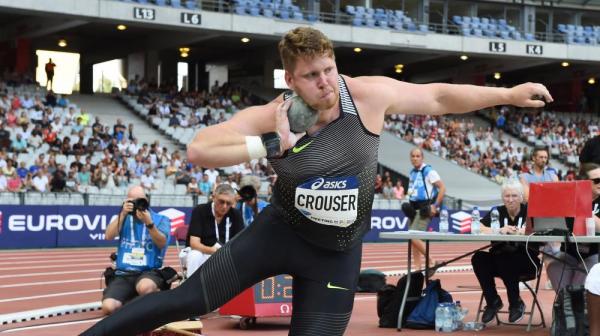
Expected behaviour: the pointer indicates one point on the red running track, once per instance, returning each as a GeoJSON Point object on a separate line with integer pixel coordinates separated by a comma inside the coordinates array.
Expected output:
{"type": "Point", "coordinates": [36, 279]}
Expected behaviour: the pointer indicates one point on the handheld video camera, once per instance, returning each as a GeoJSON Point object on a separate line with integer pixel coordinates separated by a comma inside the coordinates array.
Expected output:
{"type": "Point", "coordinates": [141, 204]}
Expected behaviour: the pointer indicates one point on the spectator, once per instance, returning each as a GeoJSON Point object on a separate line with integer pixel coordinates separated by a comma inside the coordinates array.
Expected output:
{"type": "Point", "coordinates": [250, 205]}
{"type": "Point", "coordinates": [58, 181]}
{"type": "Point", "coordinates": [561, 272]}
{"type": "Point", "coordinates": [205, 186]}
{"type": "Point", "coordinates": [49, 68]}
{"type": "Point", "coordinates": [19, 144]}
{"type": "Point", "coordinates": [426, 192]}
{"type": "Point", "coordinates": [212, 175]}
{"type": "Point", "coordinates": [591, 151]}
{"type": "Point", "coordinates": [398, 190]}
{"type": "Point", "coordinates": [14, 183]}
{"type": "Point", "coordinates": [378, 184]}
{"type": "Point", "coordinates": [192, 187]}
{"type": "Point", "coordinates": [143, 240]}
{"type": "Point", "coordinates": [4, 182]}
{"type": "Point", "coordinates": [147, 180]}
{"type": "Point", "coordinates": [212, 225]}
{"type": "Point", "coordinates": [40, 181]}
{"type": "Point", "coordinates": [540, 171]}
{"type": "Point", "coordinates": [507, 261]}
{"type": "Point", "coordinates": [388, 189]}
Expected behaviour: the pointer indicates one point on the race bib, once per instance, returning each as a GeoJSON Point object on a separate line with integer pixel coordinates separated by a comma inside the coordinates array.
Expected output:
{"type": "Point", "coordinates": [329, 201]}
{"type": "Point", "coordinates": [136, 257]}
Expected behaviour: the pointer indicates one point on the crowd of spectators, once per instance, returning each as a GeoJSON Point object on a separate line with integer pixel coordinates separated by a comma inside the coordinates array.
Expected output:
{"type": "Point", "coordinates": [488, 150]}
{"type": "Point", "coordinates": [49, 144]}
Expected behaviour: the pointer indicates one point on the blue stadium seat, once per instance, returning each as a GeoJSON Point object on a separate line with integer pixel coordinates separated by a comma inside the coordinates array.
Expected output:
{"type": "Point", "coordinates": [399, 13]}
{"type": "Point", "coordinates": [411, 27]}
{"type": "Point", "coordinates": [424, 28]}
{"type": "Point", "coordinates": [350, 10]}
{"type": "Point", "coordinates": [190, 4]}
{"type": "Point", "coordinates": [502, 22]}
{"type": "Point", "coordinates": [298, 16]}
{"type": "Point", "coordinates": [398, 25]}
{"type": "Point", "coordinates": [161, 2]}
{"type": "Point", "coordinates": [267, 12]}
{"type": "Point", "coordinates": [284, 14]}
{"type": "Point", "coordinates": [466, 19]}
{"type": "Point", "coordinates": [489, 33]}
{"type": "Point", "coordinates": [529, 37]}
{"type": "Point", "coordinates": [143, 1]}
{"type": "Point", "coordinates": [457, 20]}
{"type": "Point", "coordinates": [369, 22]}
{"type": "Point", "coordinates": [357, 21]}
{"type": "Point", "coordinates": [176, 3]}
{"type": "Point", "coordinates": [382, 23]}
{"type": "Point", "coordinates": [240, 10]}
{"type": "Point", "coordinates": [516, 35]}
{"type": "Point", "coordinates": [562, 28]}
{"type": "Point", "coordinates": [485, 21]}
{"type": "Point", "coordinates": [254, 11]}
{"type": "Point", "coordinates": [504, 34]}
{"type": "Point", "coordinates": [360, 10]}
{"type": "Point", "coordinates": [311, 17]}
{"type": "Point", "coordinates": [475, 20]}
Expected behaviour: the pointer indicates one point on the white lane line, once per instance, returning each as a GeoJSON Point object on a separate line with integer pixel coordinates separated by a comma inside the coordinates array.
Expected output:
{"type": "Point", "coordinates": [26, 275]}
{"type": "Point", "coordinates": [53, 325]}
{"type": "Point", "coordinates": [70, 260]}
{"type": "Point", "coordinates": [28, 284]}
{"type": "Point", "coordinates": [25, 298]}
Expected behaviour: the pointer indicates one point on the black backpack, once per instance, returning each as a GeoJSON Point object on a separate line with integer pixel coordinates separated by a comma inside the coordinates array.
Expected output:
{"type": "Point", "coordinates": [370, 281]}
{"type": "Point", "coordinates": [389, 299]}
{"type": "Point", "coordinates": [569, 313]}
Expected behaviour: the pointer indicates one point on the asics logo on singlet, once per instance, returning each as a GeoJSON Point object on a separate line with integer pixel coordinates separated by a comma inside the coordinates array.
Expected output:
{"type": "Point", "coordinates": [320, 183]}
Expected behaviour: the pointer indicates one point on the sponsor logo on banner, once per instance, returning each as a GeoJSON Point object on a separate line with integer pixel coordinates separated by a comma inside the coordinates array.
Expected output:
{"type": "Point", "coordinates": [329, 201]}
{"type": "Point", "coordinates": [177, 218]}
{"type": "Point", "coordinates": [461, 222]}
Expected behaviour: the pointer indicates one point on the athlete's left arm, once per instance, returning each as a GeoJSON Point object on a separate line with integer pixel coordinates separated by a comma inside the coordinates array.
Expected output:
{"type": "Point", "coordinates": [439, 98]}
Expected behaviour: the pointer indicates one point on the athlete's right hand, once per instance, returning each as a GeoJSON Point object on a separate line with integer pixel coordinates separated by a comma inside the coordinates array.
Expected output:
{"type": "Point", "coordinates": [288, 138]}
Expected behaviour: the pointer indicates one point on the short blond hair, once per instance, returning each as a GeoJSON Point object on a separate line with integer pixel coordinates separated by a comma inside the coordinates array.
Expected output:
{"type": "Point", "coordinates": [303, 42]}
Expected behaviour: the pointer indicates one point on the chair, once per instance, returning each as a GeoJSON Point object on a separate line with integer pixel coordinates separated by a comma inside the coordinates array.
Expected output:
{"type": "Point", "coordinates": [180, 235]}
{"type": "Point", "coordinates": [535, 302]}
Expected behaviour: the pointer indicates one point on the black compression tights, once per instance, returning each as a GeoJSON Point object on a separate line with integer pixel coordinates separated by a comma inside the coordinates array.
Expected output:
{"type": "Point", "coordinates": [267, 248]}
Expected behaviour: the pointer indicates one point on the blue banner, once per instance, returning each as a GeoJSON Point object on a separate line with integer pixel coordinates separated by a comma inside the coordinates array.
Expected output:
{"type": "Point", "coordinates": [394, 220]}
{"type": "Point", "coordinates": [43, 226]}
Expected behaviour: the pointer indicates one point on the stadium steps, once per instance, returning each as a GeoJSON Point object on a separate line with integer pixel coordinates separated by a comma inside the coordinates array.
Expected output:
{"type": "Point", "coordinates": [109, 110]}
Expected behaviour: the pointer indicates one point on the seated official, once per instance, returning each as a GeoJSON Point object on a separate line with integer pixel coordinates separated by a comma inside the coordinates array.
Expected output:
{"type": "Point", "coordinates": [249, 204]}
{"type": "Point", "coordinates": [564, 272]}
{"type": "Point", "coordinates": [143, 241]}
{"type": "Point", "coordinates": [508, 261]}
{"type": "Point", "coordinates": [212, 225]}
{"type": "Point", "coordinates": [592, 287]}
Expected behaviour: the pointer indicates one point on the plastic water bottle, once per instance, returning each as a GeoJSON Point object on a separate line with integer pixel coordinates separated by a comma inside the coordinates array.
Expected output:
{"type": "Point", "coordinates": [495, 221]}
{"type": "Point", "coordinates": [439, 317]}
{"type": "Point", "coordinates": [475, 221]}
{"type": "Point", "coordinates": [443, 317]}
{"type": "Point", "coordinates": [444, 225]}
{"type": "Point", "coordinates": [459, 315]}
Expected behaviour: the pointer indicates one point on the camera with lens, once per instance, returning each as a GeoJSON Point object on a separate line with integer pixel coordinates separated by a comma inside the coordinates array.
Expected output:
{"type": "Point", "coordinates": [139, 204]}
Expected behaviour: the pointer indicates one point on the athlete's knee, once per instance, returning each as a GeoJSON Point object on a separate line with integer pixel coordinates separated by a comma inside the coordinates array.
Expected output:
{"type": "Point", "coordinates": [109, 305]}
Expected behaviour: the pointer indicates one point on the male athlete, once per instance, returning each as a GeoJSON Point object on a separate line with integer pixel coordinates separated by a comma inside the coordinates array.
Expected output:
{"type": "Point", "coordinates": [321, 204]}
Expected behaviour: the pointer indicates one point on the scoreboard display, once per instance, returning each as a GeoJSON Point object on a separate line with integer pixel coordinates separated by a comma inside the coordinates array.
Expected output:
{"type": "Point", "coordinates": [271, 297]}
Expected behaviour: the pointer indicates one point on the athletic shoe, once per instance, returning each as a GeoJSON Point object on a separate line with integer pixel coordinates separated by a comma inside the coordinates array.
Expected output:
{"type": "Point", "coordinates": [490, 311]}
{"type": "Point", "coordinates": [515, 314]}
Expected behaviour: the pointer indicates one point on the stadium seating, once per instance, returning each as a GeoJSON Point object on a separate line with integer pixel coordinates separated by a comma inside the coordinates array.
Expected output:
{"type": "Point", "coordinates": [489, 28]}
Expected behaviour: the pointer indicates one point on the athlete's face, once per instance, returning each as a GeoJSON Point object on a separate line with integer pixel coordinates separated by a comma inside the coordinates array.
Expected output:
{"type": "Point", "coordinates": [416, 158]}
{"type": "Point", "coordinates": [594, 175]}
{"type": "Point", "coordinates": [540, 159]}
{"type": "Point", "coordinates": [316, 81]}
{"type": "Point", "coordinates": [512, 199]}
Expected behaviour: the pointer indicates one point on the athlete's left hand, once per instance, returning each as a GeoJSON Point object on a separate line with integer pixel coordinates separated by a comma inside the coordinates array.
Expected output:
{"type": "Point", "coordinates": [287, 137]}
{"type": "Point", "coordinates": [529, 95]}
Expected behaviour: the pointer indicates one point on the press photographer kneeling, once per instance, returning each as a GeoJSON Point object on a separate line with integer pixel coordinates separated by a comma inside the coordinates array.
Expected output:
{"type": "Point", "coordinates": [143, 241]}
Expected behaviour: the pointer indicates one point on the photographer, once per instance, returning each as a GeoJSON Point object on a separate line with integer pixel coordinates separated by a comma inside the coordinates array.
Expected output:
{"type": "Point", "coordinates": [143, 241]}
